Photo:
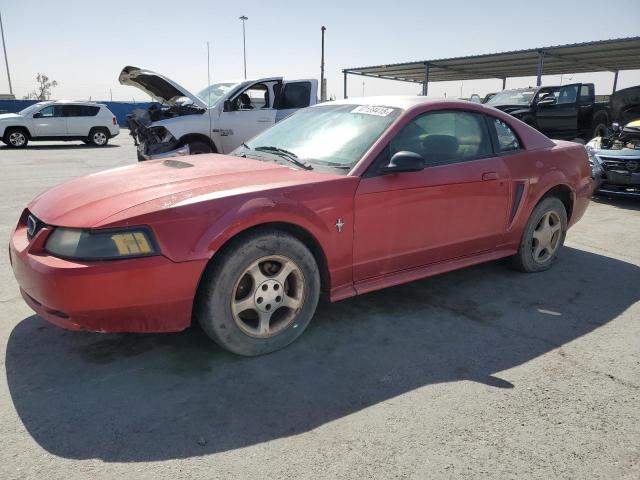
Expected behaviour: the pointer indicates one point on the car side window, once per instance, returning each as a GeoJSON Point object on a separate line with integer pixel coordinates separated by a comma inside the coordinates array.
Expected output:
{"type": "Point", "coordinates": [254, 97]}
{"type": "Point", "coordinates": [47, 112]}
{"type": "Point", "coordinates": [444, 137]}
{"type": "Point", "coordinates": [568, 94]}
{"type": "Point", "coordinates": [80, 111]}
{"type": "Point", "coordinates": [507, 141]}
{"type": "Point", "coordinates": [294, 95]}
{"type": "Point", "coordinates": [585, 93]}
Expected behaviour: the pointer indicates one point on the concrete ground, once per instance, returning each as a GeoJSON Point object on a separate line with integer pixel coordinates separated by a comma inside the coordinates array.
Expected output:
{"type": "Point", "coordinates": [480, 373]}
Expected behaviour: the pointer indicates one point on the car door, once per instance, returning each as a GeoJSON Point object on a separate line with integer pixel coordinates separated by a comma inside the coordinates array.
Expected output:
{"type": "Point", "coordinates": [79, 119]}
{"type": "Point", "coordinates": [560, 119]}
{"type": "Point", "coordinates": [247, 114]}
{"type": "Point", "coordinates": [294, 95]}
{"type": "Point", "coordinates": [456, 206]}
{"type": "Point", "coordinates": [50, 122]}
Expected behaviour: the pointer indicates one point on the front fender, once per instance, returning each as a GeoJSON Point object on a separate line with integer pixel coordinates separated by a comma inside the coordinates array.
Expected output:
{"type": "Point", "coordinates": [259, 211]}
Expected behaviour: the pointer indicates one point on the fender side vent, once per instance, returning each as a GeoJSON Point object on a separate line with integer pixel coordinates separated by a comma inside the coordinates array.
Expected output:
{"type": "Point", "coordinates": [517, 198]}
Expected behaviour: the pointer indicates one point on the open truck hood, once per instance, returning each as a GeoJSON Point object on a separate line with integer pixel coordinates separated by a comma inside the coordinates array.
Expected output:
{"type": "Point", "coordinates": [158, 86]}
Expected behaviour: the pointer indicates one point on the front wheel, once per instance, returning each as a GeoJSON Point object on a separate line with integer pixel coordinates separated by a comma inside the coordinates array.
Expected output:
{"type": "Point", "coordinates": [260, 295]}
{"type": "Point", "coordinates": [15, 138]}
{"type": "Point", "coordinates": [543, 237]}
{"type": "Point", "coordinates": [198, 148]}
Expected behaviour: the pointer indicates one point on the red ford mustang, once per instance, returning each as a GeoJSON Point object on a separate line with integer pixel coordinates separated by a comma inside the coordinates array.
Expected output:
{"type": "Point", "coordinates": [342, 198]}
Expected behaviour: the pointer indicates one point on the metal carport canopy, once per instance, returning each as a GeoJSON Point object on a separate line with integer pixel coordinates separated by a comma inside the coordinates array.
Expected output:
{"type": "Point", "coordinates": [599, 56]}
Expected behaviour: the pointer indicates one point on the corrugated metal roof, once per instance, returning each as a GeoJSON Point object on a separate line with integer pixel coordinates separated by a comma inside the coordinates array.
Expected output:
{"type": "Point", "coordinates": [599, 56]}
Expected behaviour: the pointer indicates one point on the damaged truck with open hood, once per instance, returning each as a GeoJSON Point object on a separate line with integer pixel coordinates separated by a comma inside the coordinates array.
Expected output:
{"type": "Point", "coordinates": [217, 119]}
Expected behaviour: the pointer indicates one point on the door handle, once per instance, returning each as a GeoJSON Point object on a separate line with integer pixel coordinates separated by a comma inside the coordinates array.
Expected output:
{"type": "Point", "coordinates": [489, 176]}
{"type": "Point", "coordinates": [264, 120]}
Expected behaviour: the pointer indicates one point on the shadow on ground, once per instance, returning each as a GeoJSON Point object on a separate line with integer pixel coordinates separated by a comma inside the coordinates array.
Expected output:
{"type": "Point", "coordinates": [627, 203]}
{"type": "Point", "coordinates": [125, 398]}
{"type": "Point", "coordinates": [70, 146]}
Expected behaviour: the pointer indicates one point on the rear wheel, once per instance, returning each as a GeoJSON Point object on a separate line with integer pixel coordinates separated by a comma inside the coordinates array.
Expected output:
{"type": "Point", "coordinates": [543, 237]}
{"type": "Point", "coordinates": [16, 138]}
{"type": "Point", "coordinates": [99, 137]}
{"type": "Point", "coordinates": [260, 295]}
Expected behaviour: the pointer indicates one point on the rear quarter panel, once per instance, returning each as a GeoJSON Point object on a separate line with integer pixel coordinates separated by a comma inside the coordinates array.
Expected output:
{"type": "Point", "coordinates": [563, 164]}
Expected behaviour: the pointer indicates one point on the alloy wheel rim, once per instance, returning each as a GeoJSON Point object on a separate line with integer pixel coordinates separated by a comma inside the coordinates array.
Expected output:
{"type": "Point", "coordinates": [99, 138]}
{"type": "Point", "coordinates": [546, 237]}
{"type": "Point", "coordinates": [267, 297]}
{"type": "Point", "coordinates": [17, 139]}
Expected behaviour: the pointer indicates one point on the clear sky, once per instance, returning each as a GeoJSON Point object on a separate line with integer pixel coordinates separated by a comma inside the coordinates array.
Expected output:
{"type": "Point", "coordinates": [84, 44]}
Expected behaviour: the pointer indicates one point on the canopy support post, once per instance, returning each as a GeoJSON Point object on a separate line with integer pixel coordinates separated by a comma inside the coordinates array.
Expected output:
{"type": "Point", "coordinates": [425, 82]}
{"type": "Point", "coordinates": [504, 83]}
{"type": "Point", "coordinates": [345, 83]}
{"type": "Point", "coordinates": [540, 67]}
{"type": "Point", "coordinates": [615, 81]}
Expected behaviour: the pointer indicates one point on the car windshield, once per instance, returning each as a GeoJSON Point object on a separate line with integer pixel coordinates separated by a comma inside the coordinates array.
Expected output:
{"type": "Point", "coordinates": [29, 109]}
{"type": "Point", "coordinates": [513, 97]}
{"type": "Point", "coordinates": [215, 92]}
{"type": "Point", "coordinates": [329, 135]}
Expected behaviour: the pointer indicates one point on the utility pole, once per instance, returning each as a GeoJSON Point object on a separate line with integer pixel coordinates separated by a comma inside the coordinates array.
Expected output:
{"type": "Point", "coordinates": [6, 60]}
{"type": "Point", "coordinates": [363, 88]}
{"type": "Point", "coordinates": [244, 44]}
{"type": "Point", "coordinates": [323, 88]}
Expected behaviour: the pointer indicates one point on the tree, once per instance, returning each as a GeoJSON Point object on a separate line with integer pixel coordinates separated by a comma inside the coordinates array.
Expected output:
{"type": "Point", "coordinates": [43, 90]}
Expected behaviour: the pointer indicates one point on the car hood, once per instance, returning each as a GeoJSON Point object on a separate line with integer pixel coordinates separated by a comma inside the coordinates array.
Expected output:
{"type": "Point", "coordinates": [161, 88]}
{"type": "Point", "coordinates": [92, 200]}
{"type": "Point", "coordinates": [9, 116]}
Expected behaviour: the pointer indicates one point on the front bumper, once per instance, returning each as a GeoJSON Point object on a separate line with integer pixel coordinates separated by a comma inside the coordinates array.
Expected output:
{"type": "Point", "coordinates": [178, 152]}
{"type": "Point", "coordinates": [151, 294]}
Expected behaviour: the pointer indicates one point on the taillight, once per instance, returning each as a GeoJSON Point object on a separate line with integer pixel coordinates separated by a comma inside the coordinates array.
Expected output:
{"type": "Point", "coordinates": [115, 122]}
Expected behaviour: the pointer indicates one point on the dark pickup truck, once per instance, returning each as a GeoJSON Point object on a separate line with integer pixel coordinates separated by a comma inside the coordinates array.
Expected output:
{"type": "Point", "coordinates": [563, 112]}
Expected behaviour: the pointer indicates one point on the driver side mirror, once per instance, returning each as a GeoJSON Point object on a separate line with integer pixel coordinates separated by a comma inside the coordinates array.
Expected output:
{"type": "Point", "coordinates": [37, 115]}
{"type": "Point", "coordinates": [547, 101]}
{"type": "Point", "coordinates": [404, 162]}
{"type": "Point", "coordinates": [226, 107]}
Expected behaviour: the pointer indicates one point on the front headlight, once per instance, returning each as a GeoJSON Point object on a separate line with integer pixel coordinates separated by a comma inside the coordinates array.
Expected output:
{"type": "Point", "coordinates": [101, 244]}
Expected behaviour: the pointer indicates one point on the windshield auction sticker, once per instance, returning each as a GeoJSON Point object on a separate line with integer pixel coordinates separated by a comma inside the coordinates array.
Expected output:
{"type": "Point", "coordinates": [373, 110]}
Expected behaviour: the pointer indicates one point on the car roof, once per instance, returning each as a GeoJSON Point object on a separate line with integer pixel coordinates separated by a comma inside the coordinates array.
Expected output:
{"type": "Point", "coordinates": [404, 102]}
{"type": "Point", "coordinates": [78, 102]}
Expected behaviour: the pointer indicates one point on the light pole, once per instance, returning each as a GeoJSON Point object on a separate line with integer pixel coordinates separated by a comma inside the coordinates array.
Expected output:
{"type": "Point", "coordinates": [323, 91]}
{"type": "Point", "coordinates": [244, 44]}
{"type": "Point", "coordinates": [6, 60]}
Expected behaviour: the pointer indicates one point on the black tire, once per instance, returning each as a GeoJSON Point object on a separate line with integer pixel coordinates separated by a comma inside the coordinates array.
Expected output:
{"type": "Point", "coordinates": [99, 137]}
{"type": "Point", "coordinates": [524, 260]}
{"type": "Point", "coordinates": [600, 130]}
{"type": "Point", "coordinates": [197, 148]}
{"type": "Point", "coordinates": [222, 283]}
{"type": "Point", "coordinates": [16, 137]}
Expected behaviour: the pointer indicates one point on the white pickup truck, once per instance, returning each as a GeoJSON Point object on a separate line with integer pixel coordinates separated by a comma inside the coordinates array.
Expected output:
{"type": "Point", "coordinates": [218, 119]}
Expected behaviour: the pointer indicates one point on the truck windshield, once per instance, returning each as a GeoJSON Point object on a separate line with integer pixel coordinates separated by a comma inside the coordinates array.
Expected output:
{"type": "Point", "coordinates": [329, 135]}
{"type": "Point", "coordinates": [513, 97]}
{"type": "Point", "coordinates": [215, 92]}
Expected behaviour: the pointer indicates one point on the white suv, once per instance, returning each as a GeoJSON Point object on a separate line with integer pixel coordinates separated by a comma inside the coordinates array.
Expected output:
{"type": "Point", "coordinates": [92, 123]}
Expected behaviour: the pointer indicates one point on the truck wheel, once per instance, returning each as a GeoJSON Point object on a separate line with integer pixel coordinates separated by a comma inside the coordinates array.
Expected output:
{"type": "Point", "coordinates": [99, 137]}
{"type": "Point", "coordinates": [16, 138]}
{"type": "Point", "coordinates": [197, 148]}
{"type": "Point", "coordinates": [260, 295]}
{"type": "Point", "coordinates": [542, 238]}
